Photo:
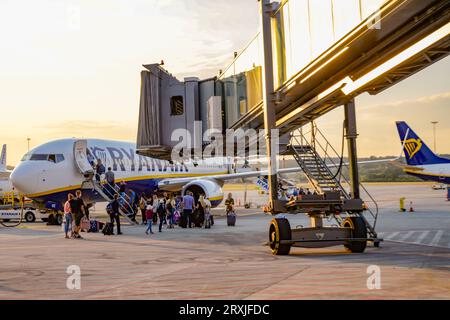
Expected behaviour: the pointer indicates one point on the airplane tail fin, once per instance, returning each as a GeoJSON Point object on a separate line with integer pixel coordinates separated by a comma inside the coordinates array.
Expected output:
{"type": "Point", "coordinates": [3, 159]}
{"type": "Point", "coordinates": [416, 151]}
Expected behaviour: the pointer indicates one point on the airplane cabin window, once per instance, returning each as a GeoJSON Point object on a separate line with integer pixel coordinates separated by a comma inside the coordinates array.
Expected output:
{"type": "Point", "coordinates": [26, 157]}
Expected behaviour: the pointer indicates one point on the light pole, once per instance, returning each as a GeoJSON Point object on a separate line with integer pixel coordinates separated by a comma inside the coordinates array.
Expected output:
{"type": "Point", "coordinates": [28, 142]}
{"type": "Point", "coordinates": [434, 123]}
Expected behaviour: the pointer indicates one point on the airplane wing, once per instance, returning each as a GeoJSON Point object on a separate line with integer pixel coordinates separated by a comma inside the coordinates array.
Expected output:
{"type": "Point", "coordinates": [180, 182]}
{"type": "Point", "coordinates": [173, 183]}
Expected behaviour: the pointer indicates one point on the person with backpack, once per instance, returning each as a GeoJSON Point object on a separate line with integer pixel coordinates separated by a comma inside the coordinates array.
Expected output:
{"type": "Point", "coordinates": [155, 204]}
{"type": "Point", "coordinates": [99, 170]}
{"type": "Point", "coordinates": [110, 183]}
{"type": "Point", "coordinates": [115, 216]}
{"type": "Point", "coordinates": [142, 208]}
{"type": "Point", "coordinates": [206, 204]}
{"type": "Point", "coordinates": [161, 210]}
{"type": "Point", "coordinates": [171, 204]}
{"type": "Point", "coordinates": [77, 206]}
{"type": "Point", "coordinates": [149, 215]}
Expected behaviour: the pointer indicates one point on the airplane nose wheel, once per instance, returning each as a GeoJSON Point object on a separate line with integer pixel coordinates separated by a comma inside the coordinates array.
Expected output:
{"type": "Point", "coordinates": [279, 231]}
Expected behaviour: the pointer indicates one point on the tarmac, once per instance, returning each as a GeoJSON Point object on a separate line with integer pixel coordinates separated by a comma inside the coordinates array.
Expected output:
{"type": "Point", "coordinates": [235, 262]}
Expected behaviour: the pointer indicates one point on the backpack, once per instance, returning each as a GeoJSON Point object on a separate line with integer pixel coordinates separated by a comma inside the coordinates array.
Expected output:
{"type": "Point", "coordinates": [108, 230]}
{"type": "Point", "coordinates": [109, 208]}
{"type": "Point", "coordinates": [162, 207]}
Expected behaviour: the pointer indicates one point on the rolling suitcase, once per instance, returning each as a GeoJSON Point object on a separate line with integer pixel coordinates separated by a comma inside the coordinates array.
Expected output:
{"type": "Point", "coordinates": [182, 222]}
{"type": "Point", "coordinates": [108, 230]}
{"type": "Point", "coordinates": [231, 220]}
{"type": "Point", "coordinates": [94, 228]}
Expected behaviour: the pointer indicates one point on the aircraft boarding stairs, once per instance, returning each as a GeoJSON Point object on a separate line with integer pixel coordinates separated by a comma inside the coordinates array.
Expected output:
{"type": "Point", "coordinates": [318, 169]}
{"type": "Point", "coordinates": [107, 192]}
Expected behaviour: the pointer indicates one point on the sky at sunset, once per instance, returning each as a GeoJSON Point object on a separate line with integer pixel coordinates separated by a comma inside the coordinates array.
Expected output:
{"type": "Point", "coordinates": [72, 69]}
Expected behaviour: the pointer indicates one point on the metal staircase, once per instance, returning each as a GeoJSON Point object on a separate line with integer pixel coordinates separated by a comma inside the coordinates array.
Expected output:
{"type": "Point", "coordinates": [107, 192]}
{"type": "Point", "coordinates": [325, 170]}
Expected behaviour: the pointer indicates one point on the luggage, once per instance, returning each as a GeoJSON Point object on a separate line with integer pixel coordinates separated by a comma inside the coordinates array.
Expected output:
{"type": "Point", "coordinates": [176, 217]}
{"type": "Point", "coordinates": [108, 229]}
{"type": "Point", "coordinates": [231, 219]}
{"type": "Point", "coordinates": [183, 222]}
{"type": "Point", "coordinates": [85, 224]}
{"type": "Point", "coordinates": [208, 221]}
{"type": "Point", "coordinates": [95, 226]}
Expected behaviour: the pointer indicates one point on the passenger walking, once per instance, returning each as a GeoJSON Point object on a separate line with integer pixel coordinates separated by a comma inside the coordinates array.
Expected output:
{"type": "Point", "coordinates": [77, 207]}
{"type": "Point", "coordinates": [229, 203]}
{"type": "Point", "coordinates": [110, 182]}
{"type": "Point", "coordinates": [149, 216]}
{"type": "Point", "coordinates": [201, 207]}
{"type": "Point", "coordinates": [142, 208]}
{"type": "Point", "coordinates": [122, 187]}
{"type": "Point", "coordinates": [155, 206]}
{"type": "Point", "coordinates": [171, 205]}
{"type": "Point", "coordinates": [90, 158]}
{"type": "Point", "coordinates": [207, 208]}
{"type": "Point", "coordinates": [188, 207]}
{"type": "Point", "coordinates": [99, 170]}
{"type": "Point", "coordinates": [161, 210]}
{"type": "Point", "coordinates": [115, 216]}
{"type": "Point", "coordinates": [68, 217]}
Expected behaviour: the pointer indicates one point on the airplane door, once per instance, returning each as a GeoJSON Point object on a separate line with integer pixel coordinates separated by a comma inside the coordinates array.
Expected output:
{"type": "Point", "coordinates": [81, 161]}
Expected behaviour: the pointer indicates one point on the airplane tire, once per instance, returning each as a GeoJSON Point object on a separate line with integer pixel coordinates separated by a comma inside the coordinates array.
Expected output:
{"type": "Point", "coordinates": [280, 230]}
{"type": "Point", "coordinates": [359, 230]}
{"type": "Point", "coordinates": [58, 219]}
{"type": "Point", "coordinates": [29, 217]}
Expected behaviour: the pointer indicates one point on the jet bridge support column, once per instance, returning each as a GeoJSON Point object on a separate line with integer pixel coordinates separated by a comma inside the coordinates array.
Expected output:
{"type": "Point", "coordinates": [267, 9]}
{"type": "Point", "coordinates": [351, 134]}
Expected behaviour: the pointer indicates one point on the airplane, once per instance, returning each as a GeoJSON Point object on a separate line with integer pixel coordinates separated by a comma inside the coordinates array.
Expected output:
{"type": "Point", "coordinates": [5, 184]}
{"type": "Point", "coordinates": [49, 172]}
{"type": "Point", "coordinates": [421, 161]}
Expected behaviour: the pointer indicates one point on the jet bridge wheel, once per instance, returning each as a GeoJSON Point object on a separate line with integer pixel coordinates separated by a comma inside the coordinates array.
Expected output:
{"type": "Point", "coordinates": [280, 230]}
{"type": "Point", "coordinates": [359, 230]}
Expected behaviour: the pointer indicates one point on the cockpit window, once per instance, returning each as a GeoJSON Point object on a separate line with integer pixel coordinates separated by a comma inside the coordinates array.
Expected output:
{"type": "Point", "coordinates": [52, 158]}
{"type": "Point", "coordinates": [55, 158]}
{"type": "Point", "coordinates": [39, 157]}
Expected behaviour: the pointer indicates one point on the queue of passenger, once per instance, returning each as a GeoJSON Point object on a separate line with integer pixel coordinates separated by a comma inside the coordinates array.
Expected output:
{"type": "Point", "coordinates": [170, 210]}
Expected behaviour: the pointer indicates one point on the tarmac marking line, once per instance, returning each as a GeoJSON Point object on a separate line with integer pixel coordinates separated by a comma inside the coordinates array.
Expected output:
{"type": "Point", "coordinates": [437, 238]}
{"type": "Point", "coordinates": [422, 236]}
{"type": "Point", "coordinates": [406, 236]}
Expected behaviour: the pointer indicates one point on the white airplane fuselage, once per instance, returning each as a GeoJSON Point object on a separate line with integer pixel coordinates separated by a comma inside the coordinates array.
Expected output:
{"type": "Point", "coordinates": [49, 172]}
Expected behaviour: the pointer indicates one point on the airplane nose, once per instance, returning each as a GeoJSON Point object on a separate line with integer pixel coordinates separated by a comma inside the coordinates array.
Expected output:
{"type": "Point", "coordinates": [22, 180]}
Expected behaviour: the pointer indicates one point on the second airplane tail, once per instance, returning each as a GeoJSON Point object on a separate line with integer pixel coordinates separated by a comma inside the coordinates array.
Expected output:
{"type": "Point", "coordinates": [3, 159]}
{"type": "Point", "coordinates": [416, 151]}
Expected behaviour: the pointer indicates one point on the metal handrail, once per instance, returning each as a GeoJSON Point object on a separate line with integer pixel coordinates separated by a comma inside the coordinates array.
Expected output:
{"type": "Point", "coordinates": [327, 149]}
{"type": "Point", "coordinates": [124, 208]}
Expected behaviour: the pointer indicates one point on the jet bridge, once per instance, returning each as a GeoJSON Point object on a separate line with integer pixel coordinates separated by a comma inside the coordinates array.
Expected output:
{"type": "Point", "coordinates": [309, 58]}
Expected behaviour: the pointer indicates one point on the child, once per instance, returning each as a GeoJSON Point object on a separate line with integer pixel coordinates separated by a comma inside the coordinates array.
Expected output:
{"type": "Point", "coordinates": [149, 216]}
